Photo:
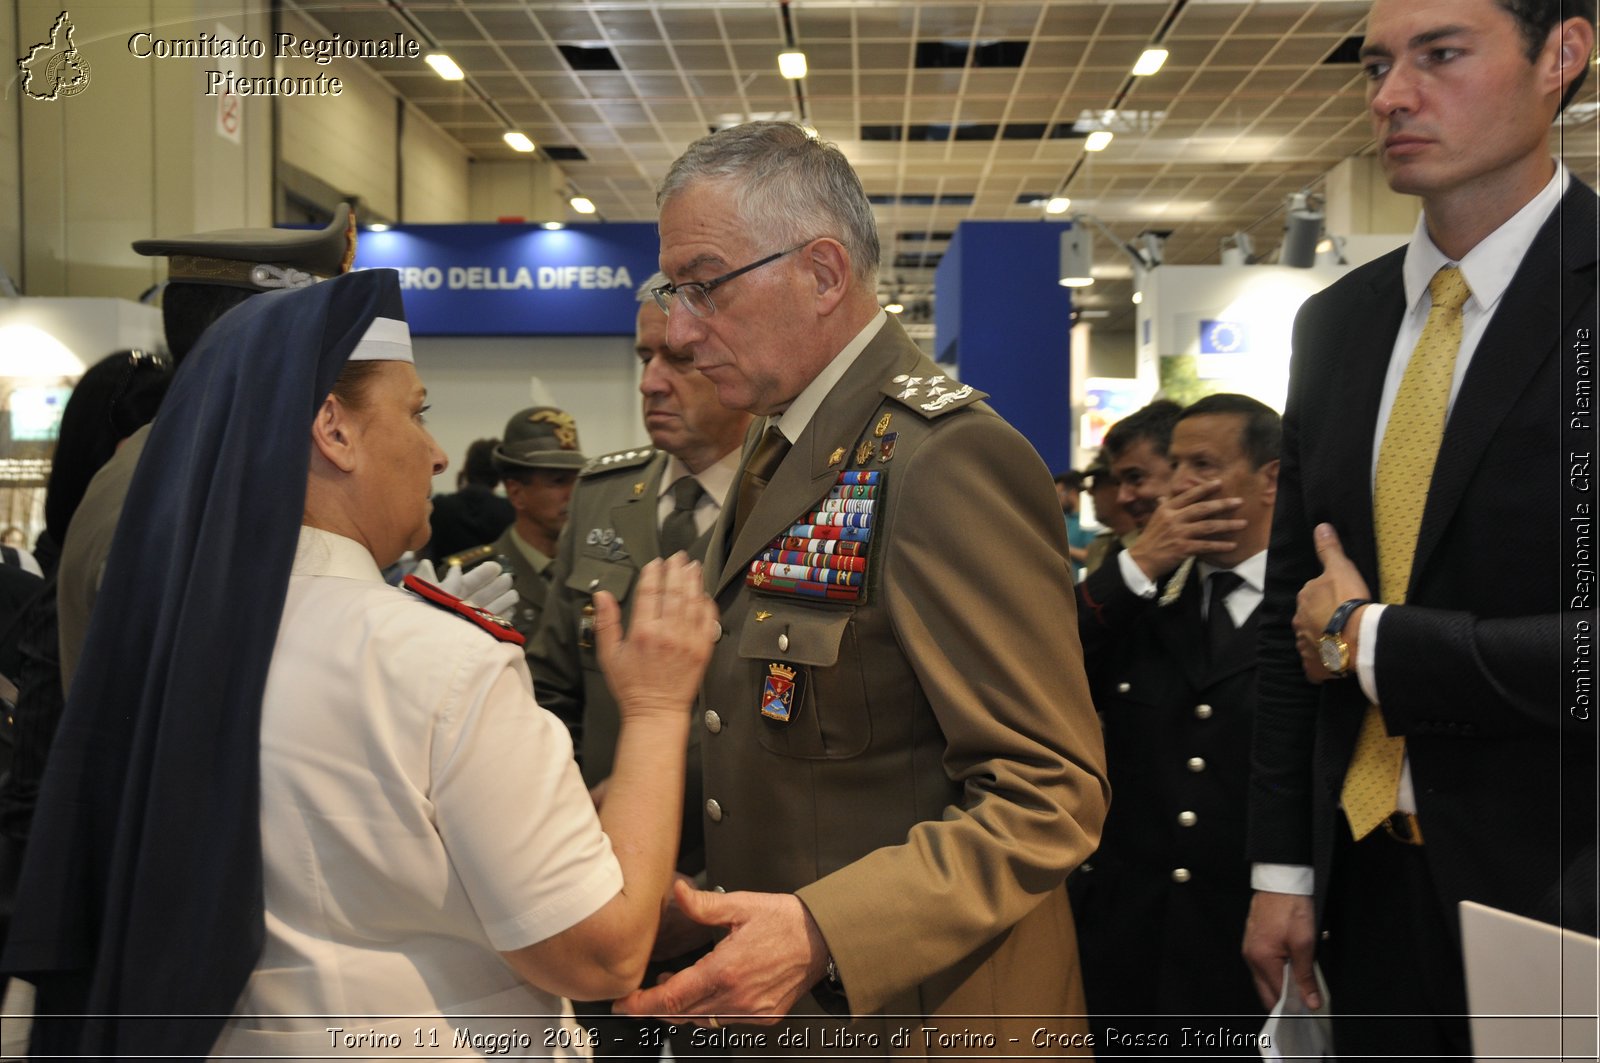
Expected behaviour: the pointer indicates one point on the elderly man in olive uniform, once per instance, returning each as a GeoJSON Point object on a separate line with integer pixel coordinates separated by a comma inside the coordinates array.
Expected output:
{"type": "Point", "coordinates": [628, 508]}
{"type": "Point", "coordinates": [901, 760]}
{"type": "Point", "coordinates": [208, 274]}
{"type": "Point", "coordinates": [538, 461]}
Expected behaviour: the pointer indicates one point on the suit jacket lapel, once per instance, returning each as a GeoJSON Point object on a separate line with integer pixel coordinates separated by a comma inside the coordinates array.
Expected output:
{"type": "Point", "coordinates": [1368, 351]}
{"type": "Point", "coordinates": [1524, 333]}
{"type": "Point", "coordinates": [1182, 629]}
{"type": "Point", "coordinates": [805, 475]}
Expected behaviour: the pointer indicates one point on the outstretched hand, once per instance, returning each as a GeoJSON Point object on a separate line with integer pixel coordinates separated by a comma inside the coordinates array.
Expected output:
{"type": "Point", "coordinates": [655, 667]}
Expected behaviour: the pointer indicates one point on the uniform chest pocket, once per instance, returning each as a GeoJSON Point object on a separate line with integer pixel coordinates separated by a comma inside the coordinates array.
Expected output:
{"type": "Point", "coordinates": [589, 576]}
{"type": "Point", "coordinates": [806, 680]}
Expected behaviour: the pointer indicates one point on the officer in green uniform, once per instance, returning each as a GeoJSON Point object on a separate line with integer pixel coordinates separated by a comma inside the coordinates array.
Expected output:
{"type": "Point", "coordinates": [538, 463]}
{"type": "Point", "coordinates": [628, 508]}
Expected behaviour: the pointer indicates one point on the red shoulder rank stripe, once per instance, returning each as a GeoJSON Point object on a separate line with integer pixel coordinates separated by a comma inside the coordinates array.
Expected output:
{"type": "Point", "coordinates": [433, 595]}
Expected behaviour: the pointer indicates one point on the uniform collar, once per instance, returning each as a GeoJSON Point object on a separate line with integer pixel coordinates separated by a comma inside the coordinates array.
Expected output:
{"type": "Point", "coordinates": [326, 553]}
{"type": "Point", "coordinates": [793, 421]}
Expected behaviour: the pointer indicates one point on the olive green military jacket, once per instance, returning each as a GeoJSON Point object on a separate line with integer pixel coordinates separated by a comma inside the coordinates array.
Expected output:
{"type": "Point", "coordinates": [611, 533]}
{"type": "Point", "coordinates": [941, 768]}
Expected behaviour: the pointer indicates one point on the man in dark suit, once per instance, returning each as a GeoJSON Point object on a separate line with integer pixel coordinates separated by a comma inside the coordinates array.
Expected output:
{"type": "Point", "coordinates": [901, 760]}
{"type": "Point", "coordinates": [1414, 747]}
{"type": "Point", "coordinates": [1174, 679]}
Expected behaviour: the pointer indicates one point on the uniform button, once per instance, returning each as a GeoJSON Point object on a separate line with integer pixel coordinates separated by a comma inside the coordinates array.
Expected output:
{"type": "Point", "coordinates": [719, 889]}
{"type": "Point", "coordinates": [713, 721]}
{"type": "Point", "coordinates": [594, 584]}
{"type": "Point", "coordinates": [1180, 874]}
{"type": "Point", "coordinates": [1187, 819]}
{"type": "Point", "coordinates": [1123, 688]}
{"type": "Point", "coordinates": [1197, 764]}
{"type": "Point", "coordinates": [1202, 712]}
{"type": "Point", "coordinates": [721, 631]}
{"type": "Point", "coordinates": [783, 643]}
{"type": "Point", "coordinates": [714, 809]}
{"type": "Point", "coordinates": [1327, 934]}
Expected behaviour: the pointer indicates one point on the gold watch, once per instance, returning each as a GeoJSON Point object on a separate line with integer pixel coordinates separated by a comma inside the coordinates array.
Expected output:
{"type": "Point", "coordinates": [1331, 646]}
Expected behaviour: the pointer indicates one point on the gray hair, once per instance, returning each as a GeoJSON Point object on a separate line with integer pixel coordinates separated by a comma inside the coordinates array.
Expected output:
{"type": "Point", "coordinates": [786, 185]}
{"type": "Point", "coordinates": [657, 280]}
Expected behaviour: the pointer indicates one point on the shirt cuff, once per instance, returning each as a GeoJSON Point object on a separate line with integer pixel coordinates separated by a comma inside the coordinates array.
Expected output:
{"type": "Point", "coordinates": [1282, 878]}
{"type": "Point", "coordinates": [1133, 576]}
{"type": "Point", "coordinates": [1367, 651]}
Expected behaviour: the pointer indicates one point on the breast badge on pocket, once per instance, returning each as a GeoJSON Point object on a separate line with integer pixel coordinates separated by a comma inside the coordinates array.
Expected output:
{"type": "Point", "coordinates": [782, 691]}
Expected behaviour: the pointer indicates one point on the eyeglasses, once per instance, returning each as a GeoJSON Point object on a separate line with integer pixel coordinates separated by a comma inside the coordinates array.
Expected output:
{"type": "Point", "coordinates": [696, 295]}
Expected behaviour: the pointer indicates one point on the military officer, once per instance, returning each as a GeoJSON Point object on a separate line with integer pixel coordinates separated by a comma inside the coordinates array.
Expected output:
{"type": "Point", "coordinates": [538, 461]}
{"type": "Point", "coordinates": [1172, 662]}
{"type": "Point", "coordinates": [900, 757]}
{"type": "Point", "coordinates": [628, 508]}
{"type": "Point", "coordinates": [208, 274]}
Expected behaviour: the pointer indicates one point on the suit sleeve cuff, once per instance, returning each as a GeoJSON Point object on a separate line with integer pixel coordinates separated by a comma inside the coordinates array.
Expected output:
{"type": "Point", "coordinates": [1133, 576]}
{"type": "Point", "coordinates": [1367, 651]}
{"type": "Point", "coordinates": [1282, 878]}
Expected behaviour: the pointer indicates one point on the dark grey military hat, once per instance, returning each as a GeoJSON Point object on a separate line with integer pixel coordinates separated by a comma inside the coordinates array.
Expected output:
{"type": "Point", "coordinates": [540, 437]}
{"type": "Point", "coordinates": [259, 259]}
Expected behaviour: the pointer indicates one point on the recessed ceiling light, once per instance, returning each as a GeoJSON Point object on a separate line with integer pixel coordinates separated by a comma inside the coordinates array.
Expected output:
{"type": "Point", "coordinates": [582, 204]}
{"type": "Point", "coordinates": [1149, 62]}
{"type": "Point", "coordinates": [1097, 140]}
{"type": "Point", "coordinates": [1057, 205]}
{"type": "Point", "coordinates": [519, 141]}
{"type": "Point", "coordinates": [552, 226]}
{"type": "Point", "coordinates": [792, 65]}
{"type": "Point", "coordinates": [377, 227]}
{"type": "Point", "coordinates": [444, 66]}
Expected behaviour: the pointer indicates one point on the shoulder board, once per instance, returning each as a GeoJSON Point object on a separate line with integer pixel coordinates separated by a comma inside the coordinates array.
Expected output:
{"type": "Point", "coordinates": [622, 459]}
{"type": "Point", "coordinates": [500, 629]}
{"type": "Point", "coordinates": [467, 558]}
{"type": "Point", "coordinates": [932, 396]}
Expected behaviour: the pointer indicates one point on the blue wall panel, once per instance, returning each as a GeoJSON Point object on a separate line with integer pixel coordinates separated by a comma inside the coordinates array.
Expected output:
{"type": "Point", "coordinates": [1004, 320]}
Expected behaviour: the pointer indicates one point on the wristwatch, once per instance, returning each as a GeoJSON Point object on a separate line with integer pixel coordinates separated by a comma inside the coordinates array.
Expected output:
{"type": "Point", "coordinates": [1331, 646]}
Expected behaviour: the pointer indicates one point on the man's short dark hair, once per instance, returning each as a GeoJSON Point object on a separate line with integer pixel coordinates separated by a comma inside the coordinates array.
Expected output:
{"type": "Point", "coordinates": [1072, 479]}
{"type": "Point", "coordinates": [1536, 17]}
{"type": "Point", "coordinates": [478, 467]}
{"type": "Point", "coordinates": [1153, 422]}
{"type": "Point", "coordinates": [1263, 428]}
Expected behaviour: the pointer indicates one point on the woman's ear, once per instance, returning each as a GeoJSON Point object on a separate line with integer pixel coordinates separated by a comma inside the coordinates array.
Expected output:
{"type": "Point", "coordinates": [333, 434]}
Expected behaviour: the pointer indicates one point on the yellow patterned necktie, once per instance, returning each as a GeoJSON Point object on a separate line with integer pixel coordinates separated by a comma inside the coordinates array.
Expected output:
{"type": "Point", "coordinates": [1405, 467]}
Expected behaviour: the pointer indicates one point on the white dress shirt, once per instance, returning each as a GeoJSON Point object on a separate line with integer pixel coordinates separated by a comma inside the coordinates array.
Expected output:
{"type": "Point", "coordinates": [716, 480]}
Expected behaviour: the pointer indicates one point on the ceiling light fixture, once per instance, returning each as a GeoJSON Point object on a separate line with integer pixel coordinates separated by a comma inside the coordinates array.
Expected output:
{"type": "Point", "coordinates": [1077, 252]}
{"type": "Point", "coordinates": [377, 227]}
{"type": "Point", "coordinates": [519, 141]}
{"type": "Point", "coordinates": [1149, 62]}
{"type": "Point", "coordinates": [552, 226]}
{"type": "Point", "coordinates": [1098, 140]}
{"type": "Point", "coordinates": [444, 66]}
{"type": "Point", "coordinates": [1138, 297]}
{"type": "Point", "coordinates": [1302, 229]}
{"type": "Point", "coordinates": [792, 65]}
{"type": "Point", "coordinates": [1057, 205]}
{"type": "Point", "coordinates": [582, 204]}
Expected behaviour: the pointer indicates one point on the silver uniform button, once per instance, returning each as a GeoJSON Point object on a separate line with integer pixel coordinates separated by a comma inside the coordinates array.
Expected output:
{"type": "Point", "coordinates": [1123, 688]}
{"type": "Point", "coordinates": [721, 631]}
{"type": "Point", "coordinates": [783, 643]}
{"type": "Point", "coordinates": [594, 584]}
{"type": "Point", "coordinates": [714, 809]}
{"type": "Point", "coordinates": [713, 721]}
{"type": "Point", "coordinates": [719, 889]}
{"type": "Point", "coordinates": [1202, 712]}
{"type": "Point", "coordinates": [1187, 819]}
{"type": "Point", "coordinates": [1180, 874]}
{"type": "Point", "coordinates": [1197, 764]}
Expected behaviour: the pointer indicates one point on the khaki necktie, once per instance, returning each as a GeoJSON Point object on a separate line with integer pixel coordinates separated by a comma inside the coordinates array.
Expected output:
{"type": "Point", "coordinates": [1405, 467]}
{"type": "Point", "coordinates": [679, 531]}
{"type": "Point", "coordinates": [757, 472]}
